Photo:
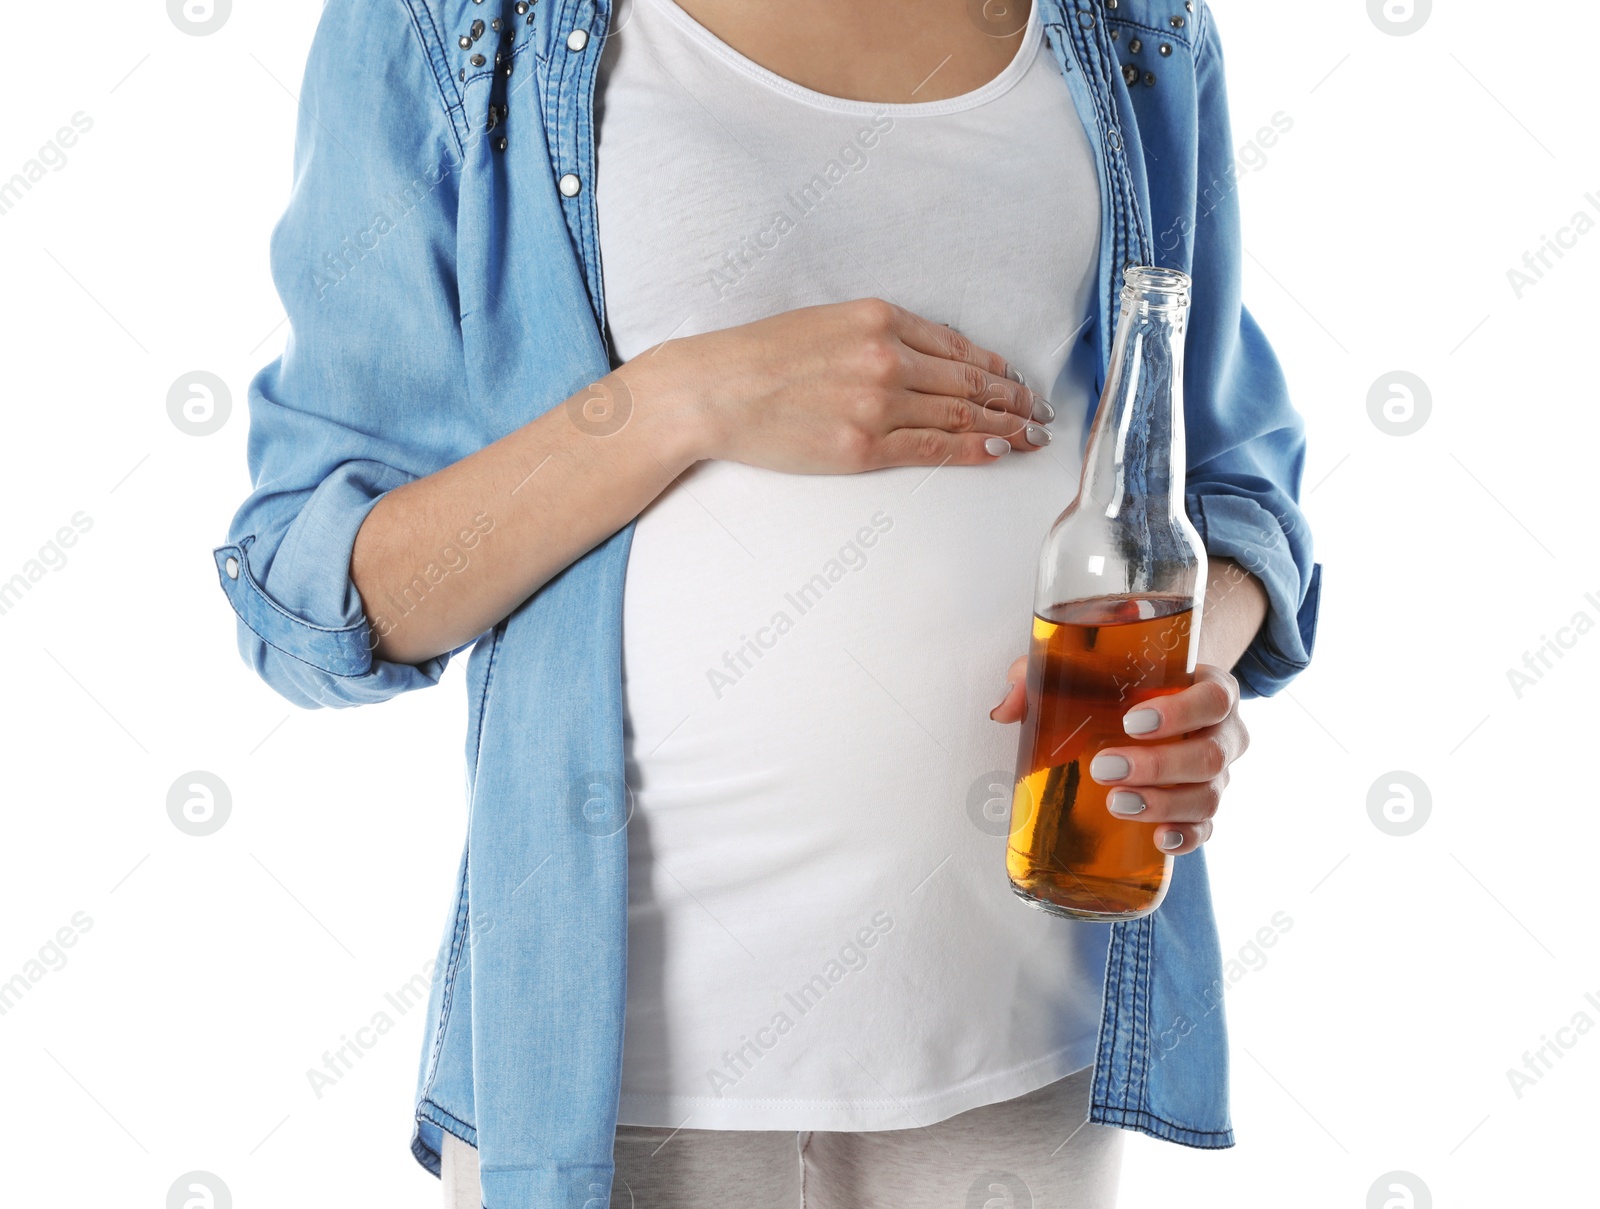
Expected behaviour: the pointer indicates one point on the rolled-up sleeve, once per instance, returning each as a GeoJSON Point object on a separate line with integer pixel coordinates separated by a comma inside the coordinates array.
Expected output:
{"type": "Point", "coordinates": [308, 636]}
{"type": "Point", "coordinates": [1246, 441]}
{"type": "Point", "coordinates": [367, 394]}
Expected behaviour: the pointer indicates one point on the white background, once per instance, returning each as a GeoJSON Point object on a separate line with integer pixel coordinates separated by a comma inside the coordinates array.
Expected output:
{"type": "Point", "coordinates": [1378, 1033]}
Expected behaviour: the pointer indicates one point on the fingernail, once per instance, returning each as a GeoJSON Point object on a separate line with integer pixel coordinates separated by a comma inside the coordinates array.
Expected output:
{"type": "Point", "coordinates": [1038, 435]}
{"type": "Point", "coordinates": [1141, 721]}
{"type": "Point", "coordinates": [1123, 802]}
{"type": "Point", "coordinates": [1171, 840]}
{"type": "Point", "coordinates": [1109, 768]}
{"type": "Point", "coordinates": [1015, 375]}
{"type": "Point", "coordinates": [1042, 411]}
{"type": "Point", "coordinates": [997, 446]}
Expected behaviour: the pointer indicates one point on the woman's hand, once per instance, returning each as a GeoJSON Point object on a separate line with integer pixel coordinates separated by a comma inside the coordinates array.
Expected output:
{"type": "Point", "coordinates": [839, 389]}
{"type": "Point", "coordinates": [1175, 768]}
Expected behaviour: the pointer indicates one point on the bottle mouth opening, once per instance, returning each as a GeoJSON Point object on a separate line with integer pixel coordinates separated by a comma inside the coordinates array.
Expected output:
{"type": "Point", "coordinates": [1156, 286]}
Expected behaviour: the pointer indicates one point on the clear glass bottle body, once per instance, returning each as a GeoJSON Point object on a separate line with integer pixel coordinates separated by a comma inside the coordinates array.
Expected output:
{"type": "Point", "coordinates": [1116, 621]}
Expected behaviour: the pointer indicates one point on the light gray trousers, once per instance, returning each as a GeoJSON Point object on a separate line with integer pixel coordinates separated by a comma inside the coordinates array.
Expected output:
{"type": "Point", "coordinates": [1034, 1152]}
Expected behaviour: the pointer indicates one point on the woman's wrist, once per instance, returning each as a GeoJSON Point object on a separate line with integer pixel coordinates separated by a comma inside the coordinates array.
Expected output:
{"type": "Point", "coordinates": [665, 388]}
{"type": "Point", "coordinates": [1236, 606]}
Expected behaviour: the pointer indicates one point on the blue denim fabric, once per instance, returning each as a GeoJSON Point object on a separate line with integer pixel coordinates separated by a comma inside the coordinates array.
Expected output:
{"type": "Point", "coordinates": [441, 293]}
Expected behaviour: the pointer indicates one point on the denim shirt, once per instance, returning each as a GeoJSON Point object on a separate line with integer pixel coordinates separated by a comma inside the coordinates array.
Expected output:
{"type": "Point", "coordinates": [439, 262]}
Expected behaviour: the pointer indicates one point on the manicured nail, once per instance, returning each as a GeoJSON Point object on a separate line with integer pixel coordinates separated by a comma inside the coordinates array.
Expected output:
{"type": "Point", "coordinates": [1171, 840]}
{"type": "Point", "coordinates": [1105, 768]}
{"type": "Point", "coordinates": [1015, 375]}
{"type": "Point", "coordinates": [1123, 802]}
{"type": "Point", "coordinates": [1042, 411]}
{"type": "Point", "coordinates": [997, 446]}
{"type": "Point", "coordinates": [1038, 435]}
{"type": "Point", "coordinates": [1141, 721]}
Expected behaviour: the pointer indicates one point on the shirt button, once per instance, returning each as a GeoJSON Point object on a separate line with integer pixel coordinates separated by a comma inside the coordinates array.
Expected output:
{"type": "Point", "coordinates": [569, 185]}
{"type": "Point", "coordinates": [231, 566]}
{"type": "Point", "coordinates": [577, 39]}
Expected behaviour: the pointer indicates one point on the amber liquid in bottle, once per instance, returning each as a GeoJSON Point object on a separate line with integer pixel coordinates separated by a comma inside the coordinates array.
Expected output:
{"type": "Point", "coordinates": [1091, 663]}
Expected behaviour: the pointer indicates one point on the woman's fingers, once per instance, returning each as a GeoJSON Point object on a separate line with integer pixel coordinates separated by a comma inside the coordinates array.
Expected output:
{"type": "Point", "coordinates": [1179, 838]}
{"type": "Point", "coordinates": [935, 447]}
{"type": "Point", "coordinates": [1201, 757]}
{"type": "Point", "coordinates": [1209, 700]}
{"type": "Point", "coordinates": [1013, 706]}
{"type": "Point", "coordinates": [992, 393]}
{"type": "Point", "coordinates": [1168, 803]}
{"type": "Point", "coordinates": [960, 415]}
{"type": "Point", "coordinates": [945, 362]}
{"type": "Point", "coordinates": [1183, 813]}
{"type": "Point", "coordinates": [952, 385]}
{"type": "Point", "coordinates": [1176, 783]}
{"type": "Point", "coordinates": [944, 342]}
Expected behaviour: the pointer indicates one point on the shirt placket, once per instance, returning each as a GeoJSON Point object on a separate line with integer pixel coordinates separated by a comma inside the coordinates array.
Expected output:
{"type": "Point", "coordinates": [1081, 25]}
{"type": "Point", "coordinates": [573, 41]}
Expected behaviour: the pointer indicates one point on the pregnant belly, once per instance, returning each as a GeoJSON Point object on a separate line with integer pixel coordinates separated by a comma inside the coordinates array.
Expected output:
{"type": "Point", "coordinates": [810, 660]}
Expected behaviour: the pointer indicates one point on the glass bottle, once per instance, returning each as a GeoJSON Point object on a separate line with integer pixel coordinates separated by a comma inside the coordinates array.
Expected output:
{"type": "Point", "coordinates": [1116, 621]}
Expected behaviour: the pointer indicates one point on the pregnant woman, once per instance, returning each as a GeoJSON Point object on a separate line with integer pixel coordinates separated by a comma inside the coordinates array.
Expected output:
{"type": "Point", "coordinates": [714, 370]}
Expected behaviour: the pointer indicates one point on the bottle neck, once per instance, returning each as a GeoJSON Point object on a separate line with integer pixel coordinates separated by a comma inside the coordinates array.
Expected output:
{"type": "Point", "coordinates": [1135, 459]}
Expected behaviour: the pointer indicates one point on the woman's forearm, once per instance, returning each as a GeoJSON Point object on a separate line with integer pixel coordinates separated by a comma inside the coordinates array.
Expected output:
{"type": "Point", "coordinates": [1236, 605]}
{"type": "Point", "coordinates": [446, 557]}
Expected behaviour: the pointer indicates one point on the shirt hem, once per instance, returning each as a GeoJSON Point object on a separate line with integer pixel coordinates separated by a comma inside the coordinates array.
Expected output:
{"type": "Point", "coordinates": [1148, 1123]}
{"type": "Point", "coordinates": [854, 1116]}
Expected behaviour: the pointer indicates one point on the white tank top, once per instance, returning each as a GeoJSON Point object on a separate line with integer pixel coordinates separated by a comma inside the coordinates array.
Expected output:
{"type": "Point", "coordinates": [821, 935]}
